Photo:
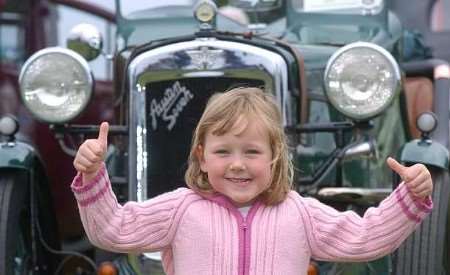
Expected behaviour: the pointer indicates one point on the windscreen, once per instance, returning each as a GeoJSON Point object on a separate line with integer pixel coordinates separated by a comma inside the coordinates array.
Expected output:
{"type": "Point", "coordinates": [339, 6]}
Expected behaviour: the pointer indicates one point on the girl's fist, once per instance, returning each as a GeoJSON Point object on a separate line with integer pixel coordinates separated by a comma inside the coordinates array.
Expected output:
{"type": "Point", "coordinates": [416, 177]}
{"type": "Point", "coordinates": [91, 154]}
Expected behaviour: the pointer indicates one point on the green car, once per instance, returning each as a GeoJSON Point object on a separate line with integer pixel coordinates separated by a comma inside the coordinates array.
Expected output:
{"type": "Point", "coordinates": [350, 92]}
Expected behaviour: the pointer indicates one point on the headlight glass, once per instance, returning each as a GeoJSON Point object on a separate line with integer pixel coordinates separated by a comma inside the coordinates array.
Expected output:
{"type": "Point", "coordinates": [361, 80]}
{"type": "Point", "coordinates": [56, 84]}
{"type": "Point", "coordinates": [205, 11]}
{"type": "Point", "coordinates": [8, 125]}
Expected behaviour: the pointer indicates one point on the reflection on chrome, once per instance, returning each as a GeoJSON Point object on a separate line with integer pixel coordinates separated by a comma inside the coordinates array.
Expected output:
{"type": "Point", "coordinates": [141, 188]}
{"type": "Point", "coordinates": [140, 88]}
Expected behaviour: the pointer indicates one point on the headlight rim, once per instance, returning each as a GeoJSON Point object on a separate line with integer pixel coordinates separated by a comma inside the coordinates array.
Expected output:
{"type": "Point", "coordinates": [207, 4]}
{"type": "Point", "coordinates": [386, 54]}
{"type": "Point", "coordinates": [78, 58]}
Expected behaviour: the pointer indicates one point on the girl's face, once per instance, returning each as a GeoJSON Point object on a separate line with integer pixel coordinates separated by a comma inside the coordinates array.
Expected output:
{"type": "Point", "coordinates": [238, 163]}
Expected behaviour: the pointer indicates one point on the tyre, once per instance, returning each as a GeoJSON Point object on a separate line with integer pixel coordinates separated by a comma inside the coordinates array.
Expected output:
{"type": "Point", "coordinates": [16, 241]}
{"type": "Point", "coordinates": [422, 253]}
{"type": "Point", "coordinates": [14, 221]}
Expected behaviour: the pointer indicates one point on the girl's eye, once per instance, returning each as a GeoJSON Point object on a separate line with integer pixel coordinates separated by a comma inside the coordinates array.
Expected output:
{"type": "Point", "coordinates": [221, 152]}
{"type": "Point", "coordinates": [253, 152]}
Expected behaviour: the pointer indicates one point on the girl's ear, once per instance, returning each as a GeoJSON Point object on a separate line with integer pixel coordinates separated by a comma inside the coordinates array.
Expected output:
{"type": "Point", "coordinates": [200, 157]}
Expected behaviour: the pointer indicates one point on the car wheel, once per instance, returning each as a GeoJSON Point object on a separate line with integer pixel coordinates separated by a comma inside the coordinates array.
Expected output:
{"type": "Point", "coordinates": [14, 194]}
{"type": "Point", "coordinates": [423, 251]}
{"type": "Point", "coordinates": [16, 242]}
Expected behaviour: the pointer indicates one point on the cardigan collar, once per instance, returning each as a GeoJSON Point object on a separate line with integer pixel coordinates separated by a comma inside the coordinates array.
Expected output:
{"type": "Point", "coordinates": [224, 201]}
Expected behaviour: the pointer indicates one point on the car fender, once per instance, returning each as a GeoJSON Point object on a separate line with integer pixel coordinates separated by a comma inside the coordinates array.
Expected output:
{"type": "Point", "coordinates": [18, 155]}
{"type": "Point", "coordinates": [427, 152]}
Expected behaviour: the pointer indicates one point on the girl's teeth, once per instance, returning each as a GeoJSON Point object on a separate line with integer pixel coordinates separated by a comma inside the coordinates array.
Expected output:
{"type": "Point", "coordinates": [239, 180]}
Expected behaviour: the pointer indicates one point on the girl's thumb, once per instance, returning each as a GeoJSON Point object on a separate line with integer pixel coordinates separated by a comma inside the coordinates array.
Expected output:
{"type": "Point", "coordinates": [396, 166]}
{"type": "Point", "coordinates": [103, 134]}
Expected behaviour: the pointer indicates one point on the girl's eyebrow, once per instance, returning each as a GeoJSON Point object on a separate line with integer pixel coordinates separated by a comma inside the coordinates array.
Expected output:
{"type": "Point", "coordinates": [259, 145]}
{"type": "Point", "coordinates": [218, 144]}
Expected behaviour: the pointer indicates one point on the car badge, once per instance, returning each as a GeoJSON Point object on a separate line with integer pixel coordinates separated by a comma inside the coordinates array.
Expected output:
{"type": "Point", "coordinates": [205, 58]}
{"type": "Point", "coordinates": [169, 108]}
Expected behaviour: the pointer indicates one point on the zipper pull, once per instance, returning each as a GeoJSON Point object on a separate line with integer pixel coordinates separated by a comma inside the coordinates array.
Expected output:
{"type": "Point", "coordinates": [244, 225]}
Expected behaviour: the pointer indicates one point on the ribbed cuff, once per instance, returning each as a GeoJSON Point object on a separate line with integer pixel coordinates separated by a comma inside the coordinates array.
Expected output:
{"type": "Point", "coordinates": [91, 191]}
{"type": "Point", "coordinates": [414, 208]}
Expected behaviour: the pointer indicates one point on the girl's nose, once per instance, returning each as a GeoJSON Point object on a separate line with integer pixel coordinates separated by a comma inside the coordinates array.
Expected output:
{"type": "Point", "coordinates": [237, 164]}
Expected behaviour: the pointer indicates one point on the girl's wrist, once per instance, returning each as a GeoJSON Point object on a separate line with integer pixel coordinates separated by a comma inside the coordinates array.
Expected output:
{"type": "Point", "coordinates": [88, 177]}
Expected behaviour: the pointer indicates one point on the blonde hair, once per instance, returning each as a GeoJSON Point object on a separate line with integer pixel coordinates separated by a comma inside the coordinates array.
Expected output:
{"type": "Point", "coordinates": [221, 113]}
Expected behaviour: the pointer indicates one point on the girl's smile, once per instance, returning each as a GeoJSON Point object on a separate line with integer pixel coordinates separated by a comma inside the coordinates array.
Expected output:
{"type": "Point", "coordinates": [238, 163]}
{"type": "Point", "coordinates": [241, 181]}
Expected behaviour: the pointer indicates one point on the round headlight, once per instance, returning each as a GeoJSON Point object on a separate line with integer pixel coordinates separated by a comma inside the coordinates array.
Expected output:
{"type": "Point", "coordinates": [56, 84]}
{"type": "Point", "coordinates": [205, 11]}
{"type": "Point", "coordinates": [426, 122]}
{"type": "Point", "coordinates": [8, 125]}
{"type": "Point", "coordinates": [361, 80]}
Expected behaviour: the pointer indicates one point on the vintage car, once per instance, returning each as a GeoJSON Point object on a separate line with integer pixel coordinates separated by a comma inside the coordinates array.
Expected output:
{"type": "Point", "coordinates": [350, 91]}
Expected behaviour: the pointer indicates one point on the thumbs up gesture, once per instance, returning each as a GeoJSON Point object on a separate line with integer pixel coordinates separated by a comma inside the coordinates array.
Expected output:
{"type": "Point", "coordinates": [417, 178]}
{"type": "Point", "coordinates": [91, 154]}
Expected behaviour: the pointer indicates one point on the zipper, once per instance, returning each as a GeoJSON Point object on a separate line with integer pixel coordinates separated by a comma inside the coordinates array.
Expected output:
{"type": "Point", "coordinates": [244, 239]}
{"type": "Point", "coordinates": [243, 226]}
{"type": "Point", "coordinates": [244, 242]}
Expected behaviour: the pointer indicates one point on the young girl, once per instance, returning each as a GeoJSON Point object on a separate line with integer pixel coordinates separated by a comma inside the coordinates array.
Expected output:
{"type": "Point", "coordinates": [238, 215]}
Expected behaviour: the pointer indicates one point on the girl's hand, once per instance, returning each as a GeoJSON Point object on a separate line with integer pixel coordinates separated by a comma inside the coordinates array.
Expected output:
{"type": "Point", "coordinates": [91, 154]}
{"type": "Point", "coordinates": [416, 177]}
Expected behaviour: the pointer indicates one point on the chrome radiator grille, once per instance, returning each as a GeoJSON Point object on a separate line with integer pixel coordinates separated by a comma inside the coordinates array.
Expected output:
{"type": "Point", "coordinates": [173, 109]}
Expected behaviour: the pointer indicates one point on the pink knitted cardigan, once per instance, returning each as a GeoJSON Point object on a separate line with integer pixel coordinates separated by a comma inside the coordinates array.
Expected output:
{"type": "Point", "coordinates": [199, 235]}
